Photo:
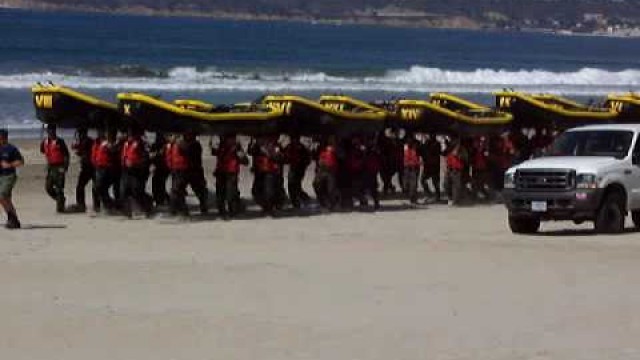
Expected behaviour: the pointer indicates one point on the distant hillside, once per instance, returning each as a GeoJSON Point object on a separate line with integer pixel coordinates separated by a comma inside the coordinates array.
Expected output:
{"type": "Point", "coordinates": [552, 14]}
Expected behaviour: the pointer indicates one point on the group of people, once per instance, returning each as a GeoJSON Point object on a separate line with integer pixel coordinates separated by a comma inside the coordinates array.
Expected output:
{"type": "Point", "coordinates": [347, 172]}
{"type": "Point", "coordinates": [347, 169]}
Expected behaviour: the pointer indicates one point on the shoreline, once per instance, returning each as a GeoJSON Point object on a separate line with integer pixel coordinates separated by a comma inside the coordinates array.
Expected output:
{"type": "Point", "coordinates": [404, 21]}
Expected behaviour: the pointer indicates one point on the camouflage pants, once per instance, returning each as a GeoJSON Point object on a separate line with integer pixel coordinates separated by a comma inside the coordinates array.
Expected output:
{"type": "Point", "coordinates": [54, 184]}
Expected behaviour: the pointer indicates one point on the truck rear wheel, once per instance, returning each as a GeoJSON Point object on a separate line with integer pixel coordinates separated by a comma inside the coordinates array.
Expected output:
{"type": "Point", "coordinates": [524, 225]}
{"type": "Point", "coordinates": [635, 216]}
{"type": "Point", "coordinates": [610, 217]}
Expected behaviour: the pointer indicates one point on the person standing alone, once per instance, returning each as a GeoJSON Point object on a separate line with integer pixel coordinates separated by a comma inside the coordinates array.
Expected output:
{"type": "Point", "coordinates": [57, 155]}
{"type": "Point", "coordinates": [10, 159]}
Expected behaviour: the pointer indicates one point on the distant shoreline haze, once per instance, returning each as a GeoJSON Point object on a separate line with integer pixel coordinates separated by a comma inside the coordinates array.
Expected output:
{"type": "Point", "coordinates": [588, 17]}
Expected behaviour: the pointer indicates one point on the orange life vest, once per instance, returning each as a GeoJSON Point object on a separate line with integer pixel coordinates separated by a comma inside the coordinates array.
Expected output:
{"type": "Point", "coordinates": [479, 160]}
{"type": "Point", "coordinates": [53, 152]}
{"type": "Point", "coordinates": [454, 162]}
{"type": "Point", "coordinates": [266, 165]}
{"type": "Point", "coordinates": [132, 154]}
{"type": "Point", "coordinates": [372, 163]}
{"type": "Point", "coordinates": [355, 161]}
{"type": "Point", "coordinates": [100, 155]}
{"type": "Point", "coordinates": [411, 159]}
{"type": "Point", "coordinates": [328, 158]}
{"type": "Point", "coordinates": [228, 161]}
{"type": "Point", "coordinates": [174, 158]}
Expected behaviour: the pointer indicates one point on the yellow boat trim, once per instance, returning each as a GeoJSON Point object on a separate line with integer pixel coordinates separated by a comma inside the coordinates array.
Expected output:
{"type": "Point", "coordinates": [351, 101]}
{"type": "Point", "coordinates": [284, 103]}
{"type": "Point", "coordinates": [460, 101]}
{"type": "Point", "coordinates": [38, 90]}
{"type": "Point", "coordinates": [501, 118]}
{"type": "Point", "coordinates": [559, 100]}
{"type": "Point", "coordinates": [596, 115]}
{"type": "Point", "coordinates": [196, 105]}
{"type": "Point", "coordinates": [196, 114]}
{"type": "Point", "coordinates": [616, 102]}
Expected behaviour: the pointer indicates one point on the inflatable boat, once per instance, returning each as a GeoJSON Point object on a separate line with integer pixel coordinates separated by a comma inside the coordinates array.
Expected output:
{"type": "Point", "coordinates": [627, 106]}
{"type": "Point", "coordinates": [67, 108]}
{"type": "Point", "coordinates": [449, 114]}
{"type": "Point", "coordinates": [189, 115]}
{"type": "Point", "coordinates": [551, 111]}
{"type": "Point", "coordinates": [349, 104]}
{"type": "Point", "coordinates": [332, 115]}
{"type": "Point", "coordinates": [195, 105]}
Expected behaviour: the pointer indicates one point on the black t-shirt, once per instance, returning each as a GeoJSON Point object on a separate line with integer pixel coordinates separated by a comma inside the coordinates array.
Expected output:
{"type": "Point", "coordinates": [9, 153]}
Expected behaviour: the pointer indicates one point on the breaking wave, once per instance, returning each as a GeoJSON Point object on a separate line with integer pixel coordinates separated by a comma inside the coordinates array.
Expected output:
{"type": "Point", "coordinates": [586, 81]}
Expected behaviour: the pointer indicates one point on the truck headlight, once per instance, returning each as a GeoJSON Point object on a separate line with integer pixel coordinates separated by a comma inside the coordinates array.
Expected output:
{"type": "Point", "coordinates": [509, 181]}
{"type": "Point", "coordinates": [586, 181]}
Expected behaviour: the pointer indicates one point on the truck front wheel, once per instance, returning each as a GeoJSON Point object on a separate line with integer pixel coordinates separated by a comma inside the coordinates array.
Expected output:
{"type": "Point", "coordinates": [524, 225]}
{"type": "Point", "coordinates": [610, 217]}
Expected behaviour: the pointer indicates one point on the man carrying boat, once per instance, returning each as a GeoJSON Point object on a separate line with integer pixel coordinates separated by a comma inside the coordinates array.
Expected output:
{"type": "Point", "coordinates": [135, 171]}
{"type": "Point", "coordinates": [230, 157]}
{"type": "Point", "coordinates": [480, 168]}
{"type": "Point", "coordinates": [298, 157]}
{"type": "Point", "coordinates": [160, 171]}
{"type": "Point", "coordinates": [372, 164]}
{"type": "Point", "coordinates": [184, 160]}
{"type": "Point", "coordinates": [57, 155]}
{"type": "Point", "coordinates": [455, 168]}
{"type": "Point", "coordinates": [269, 158]}
{"type": "Point", "coordinates": [411, 167]}
{"type": "Point", "coordinates": [104, 157]}
{"type": "Point", "coordinates": [82, 147]}
{"type": "Point", "coordinates": [10, 160]}
{"type": "Point", "coordinates": [324, 183]}
{"type": "Point", "coordinates": [355, 158]}
{"type": "Point", "coordinates": [431, 153]}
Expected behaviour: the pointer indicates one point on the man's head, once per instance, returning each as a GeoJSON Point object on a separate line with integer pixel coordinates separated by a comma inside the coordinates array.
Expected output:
{"type": "Point", "coordinates": [4, 136]}
{"type": "Point", "coordinates": [52, 131]}
{"type": "Point", "coordinates": [82, 132]}
{"type": "Point", "coordinates": [190, 135]}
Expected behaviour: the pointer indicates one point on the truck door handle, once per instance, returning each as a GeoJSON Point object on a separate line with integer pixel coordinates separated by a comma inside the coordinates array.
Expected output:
{"type": "Point", "coordinates": [627, 172]}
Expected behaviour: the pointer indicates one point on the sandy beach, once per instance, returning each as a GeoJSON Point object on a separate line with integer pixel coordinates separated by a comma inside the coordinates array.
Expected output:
{"type": "Point", "coordinates": [429, 283]}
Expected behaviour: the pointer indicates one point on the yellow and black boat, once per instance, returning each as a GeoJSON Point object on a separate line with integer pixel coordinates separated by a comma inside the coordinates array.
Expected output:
{"type": "Point", "coordinates": [449, 114]}
{"type": "Point", "coordinates": [332, 115]}
{"type": "Point", "coordinates": [68, 108]}
{"type": "Point", "coordinates": [546, 110]}
{"type": "Point", "coordinates": [157, 115]}
{"type": "Point", "coordinates": [626, 105]}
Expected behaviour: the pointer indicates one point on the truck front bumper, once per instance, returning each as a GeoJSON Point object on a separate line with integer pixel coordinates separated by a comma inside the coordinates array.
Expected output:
{"type": "Point", "coordinates": [578, 204]}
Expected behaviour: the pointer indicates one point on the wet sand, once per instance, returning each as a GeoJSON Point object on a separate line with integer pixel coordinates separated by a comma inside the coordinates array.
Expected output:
{"type": "Point", "coordinates": [429, 283]}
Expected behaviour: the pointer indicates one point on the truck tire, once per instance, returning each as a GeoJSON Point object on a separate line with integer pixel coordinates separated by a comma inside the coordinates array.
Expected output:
{"type": "Point", "coordinates": [524, 225]}
{"type": "Point", "coordinates": [635, 216]}
{"type": "Point", "coordinates": [610, 216]}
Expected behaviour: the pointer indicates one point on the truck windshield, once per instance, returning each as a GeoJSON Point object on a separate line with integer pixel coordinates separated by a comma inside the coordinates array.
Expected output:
{"type": "Point", "coordinates": [610, 143]}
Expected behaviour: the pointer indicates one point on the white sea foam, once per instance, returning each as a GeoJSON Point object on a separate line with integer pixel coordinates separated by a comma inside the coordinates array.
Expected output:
{"type": "Point", "coordinates": [586, 81]}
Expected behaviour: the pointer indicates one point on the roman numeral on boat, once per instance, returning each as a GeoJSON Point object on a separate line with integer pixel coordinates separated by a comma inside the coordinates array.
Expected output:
{"type": "Point", "coordinates": [616, 106]}
{"type": "Point", "coordinates": [505, 102]}
{"type": "Point", "coordinates": [410, 113]}
{"type": "Point", "coordinates": [126, 109]}
{"type": "Point", "coordinates": [284, 106]}
{"type": "Point", "coordinates": [334, 106]}
{"type": "Point", "coordinates": [44, 101]}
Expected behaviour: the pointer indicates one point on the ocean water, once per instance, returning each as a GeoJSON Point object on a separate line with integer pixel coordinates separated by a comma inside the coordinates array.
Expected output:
{"type": "Point", "coordinates": [232, 61]}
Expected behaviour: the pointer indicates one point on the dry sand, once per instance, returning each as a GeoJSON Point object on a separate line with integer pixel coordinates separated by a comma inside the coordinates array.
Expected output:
{"type": "Point", "coordinates": [435, 283]}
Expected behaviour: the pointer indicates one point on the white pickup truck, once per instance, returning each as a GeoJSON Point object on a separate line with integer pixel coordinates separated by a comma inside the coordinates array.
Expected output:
{"type": "Point", "coordinates": [590, 173]}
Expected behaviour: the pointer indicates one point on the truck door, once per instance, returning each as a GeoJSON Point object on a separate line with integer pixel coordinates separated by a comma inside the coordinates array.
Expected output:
{"type": "Point", "coordinates": [634, 181]}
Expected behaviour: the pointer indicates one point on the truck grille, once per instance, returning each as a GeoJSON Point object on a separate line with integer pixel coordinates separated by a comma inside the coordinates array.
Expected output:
{"type": "Point", "coordinates": [545, 180]}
